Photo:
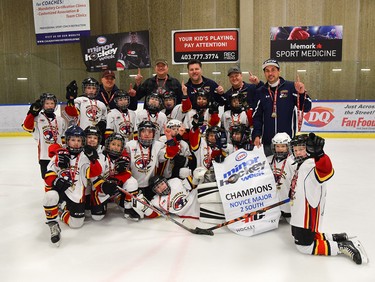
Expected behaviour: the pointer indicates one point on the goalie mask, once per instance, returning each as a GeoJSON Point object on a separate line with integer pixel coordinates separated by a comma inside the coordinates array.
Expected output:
{"type": "Point", "coordinates": [153, 103]}
{"type": "Point", "coordinates": [75, 139]}
{"type": "Point", "coordinates": [160, 185]}
{"type": "Point", "coordinates": [280, 146]}
{"type": "Point", "coordinates": [122, 100]}
{"type": "Point", "coordinates": [298, 147]}
{"type": "Point", "coordinates": [146, 133]}
{"type": "Point", "coordinates": [49, 102]}
{"type": "Point", "coordinates": [114, 145]}
{"type": "Point", "coordinates": [90, 87]}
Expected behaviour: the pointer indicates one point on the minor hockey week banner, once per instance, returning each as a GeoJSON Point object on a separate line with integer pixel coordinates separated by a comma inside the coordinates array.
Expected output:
{"type": "Point", "coordinates": [246, 184]}
{"type": "Point", "coordinates": [117, 51]}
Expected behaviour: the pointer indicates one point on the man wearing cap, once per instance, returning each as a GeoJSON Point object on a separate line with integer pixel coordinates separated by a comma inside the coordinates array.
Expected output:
{"type": "Point", "coordinates": [159, 83]}
{"type": "Point", "coordinates": [108, 89]}
{"type": "Point", "coordinates": [279, 106]}
{"type": "Point", "coordinates": [239, 86]}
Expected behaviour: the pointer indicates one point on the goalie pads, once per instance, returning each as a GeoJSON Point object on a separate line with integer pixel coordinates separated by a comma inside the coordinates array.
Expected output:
{"type": "Point", "coordinates": [211, 213]}
{"type": "Point", "coordinates": [208, 193]}
{"type": "Point", "coordinates": [141, 209]}
{"type": "Point", "coordinates": [198, 175]}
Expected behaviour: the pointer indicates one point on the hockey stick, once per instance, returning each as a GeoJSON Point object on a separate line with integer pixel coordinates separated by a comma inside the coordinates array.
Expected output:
{"type": "Point", "coordinates": [197, 230]}
{"type": "Point", "coordinates": [248, 215]}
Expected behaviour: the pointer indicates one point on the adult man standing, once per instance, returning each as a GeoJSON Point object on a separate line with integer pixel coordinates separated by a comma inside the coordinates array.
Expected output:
{"type": "Point", "coordinates": [279, 106]}
{"type": "Point", "coordinates": [108, 88]}
{"type": "Point", "coordinates": [197, 81]}
{"type": "Point", "coordinates": [159, 83]}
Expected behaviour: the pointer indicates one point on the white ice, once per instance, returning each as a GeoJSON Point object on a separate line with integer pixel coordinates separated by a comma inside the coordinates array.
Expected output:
{"type": "Point", "coordinates": [159, 250]}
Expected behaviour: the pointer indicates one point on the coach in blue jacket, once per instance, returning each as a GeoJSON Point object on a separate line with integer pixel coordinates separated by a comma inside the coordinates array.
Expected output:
{"type": "Point", "coordinates": [278, 107]}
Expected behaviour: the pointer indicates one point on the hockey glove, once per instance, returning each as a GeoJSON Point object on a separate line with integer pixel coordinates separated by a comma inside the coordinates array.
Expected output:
{"type": "Point", "coordinates": [91, 153]}
{"type": "Point", "coordinates": [122, 164]}
{"type": "Point", "coordinates": [197, 121]}
{"type": "Point", "coordinates": [314, 146]}
{"type": "Point", "coordinates": [109, 187]}
{"type": "Point", "coordinates": [35, 108]}
{"type": "Point", "coordinates": [221, 140]}
{"type": "Point", "coordinates": [61, 184]}
{"type": "Point", "coordinates": [219, 158]}
{"type": "Point", "coordinates": [63, 158]}
{"type": "Point", "coordinates": [214, 108]}
{"type": "Point", "coordinates": [101, 125]}
{"type": "Point", "coordinates": [71, 90]}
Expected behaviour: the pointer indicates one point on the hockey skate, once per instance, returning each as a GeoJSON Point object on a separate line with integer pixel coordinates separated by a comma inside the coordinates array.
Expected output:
{"type": "Point", "coordinates": [354, 250]}
{"type": "Point", "coordinates": [55, 232]}
{"type": "Point", "coordinates": [131, 214]}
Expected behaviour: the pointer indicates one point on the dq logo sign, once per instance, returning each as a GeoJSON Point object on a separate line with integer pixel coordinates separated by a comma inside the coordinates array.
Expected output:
{"type": "Point", "coordinates": [319, 117]}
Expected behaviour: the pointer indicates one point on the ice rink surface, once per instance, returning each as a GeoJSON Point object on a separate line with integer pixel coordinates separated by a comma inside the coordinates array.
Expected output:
{"type": "Point", "coordinates": [159, 250]}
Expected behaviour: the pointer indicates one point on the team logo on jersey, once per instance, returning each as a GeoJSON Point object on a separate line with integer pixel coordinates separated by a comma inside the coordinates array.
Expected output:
{"type": "Point", "coordinates": [125, 128]}
{"type": "Point", "coordinates": [142, 163]}
{"type": "Point", "coordinates": [48, 134]}
{"type": "Point", "coordinates": [92, 112]}
{"type": "Point", "coordinates": [178, 201]}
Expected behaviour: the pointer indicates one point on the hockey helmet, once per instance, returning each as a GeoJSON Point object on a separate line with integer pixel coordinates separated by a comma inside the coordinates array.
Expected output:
{"type": "Point", "coordinates": [93, 130]}
{"type": "Point", "coordinates": [146, 142]}
{"type": "Point", "coordinates": [108, 149]}
{"type": "Point", "coordinates": [94, 87]}
{"type": "Point", "coordinates": [160, 185]}
{"type": "Point", "coordinates": [212, 130]}
{"type": "Point", "coordinates": [48, 96]}
{"type": "Point", "coordinates": [153, 103]}
{"type": "Point", "coordinates": [236, 102]}
{"type": "Point", "coordinates": [299, 141]}
{"type": "Point", "coordinates": [119, 95]}
{"type": "Point", "coordinates": [169, 100]}
{"type": "Point", "coordinates": [280, 138]}
{"type": "Point", "coordinates": [74, 131]}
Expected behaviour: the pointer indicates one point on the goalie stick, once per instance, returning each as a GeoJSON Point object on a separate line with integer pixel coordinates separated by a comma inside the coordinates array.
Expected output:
{"type": "Point", "coordinates": [197, 230]}
{"type": "Point", "coordinates": [248, 215]}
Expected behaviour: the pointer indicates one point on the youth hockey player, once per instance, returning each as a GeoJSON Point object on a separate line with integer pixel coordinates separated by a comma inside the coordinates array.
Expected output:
{"type": "Point", "coordinates": [153, 113]}
{"type": "Point", "coordinates": [121, 119]}
{"type": "Point", "coordinates": [280, 149]}
{"type": "Point", "coordinates": [147, 153]}
{"type": "Point", "coordinates": [66, 181]}
{"type": "Point", "coordinates": [307, 199]}
{"type": "Point", "coordinates": [86, 108]}
{"type": "Point", "coordinates": [47, 128]}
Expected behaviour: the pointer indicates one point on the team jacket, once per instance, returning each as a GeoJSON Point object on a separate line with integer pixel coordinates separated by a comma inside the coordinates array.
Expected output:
{"type": "Point", "coordinates": [265, 126]}
{"type": "Point", "coordinates": [308, 196]}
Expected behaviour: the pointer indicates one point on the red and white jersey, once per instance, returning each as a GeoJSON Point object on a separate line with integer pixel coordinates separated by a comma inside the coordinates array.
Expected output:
{"type": "Point", "coordinates": [77, 173]}
{"type": "Point", "coordinates": [176, 113]}
{"type": "Point", "coordinates": [91, 111]}
{"type": "Point", "coordinates": [144, 161]}
{"type": "Point", "coordinates": [159, 119]}
{"type": "Point", "coordinates": [283, 177]}
{"type": "Point", "coordinates": [123, 123]}
{"type": "Point", "coordinates": [167, 166]}
{"type": "Point", "coordinates": [228, 119]}
{"type": "Point", "coordinates": [182, 200]}
{"type": "Point", "coordinates": [308, 193]}
{"type": "Point", "coordinates": [189, 119]}
{"type": "Point", "coordinates": [47, 131]}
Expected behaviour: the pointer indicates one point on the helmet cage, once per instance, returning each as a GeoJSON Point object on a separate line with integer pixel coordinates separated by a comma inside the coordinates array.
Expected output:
{"type": "Point", "coordinates": [90, 82]}
{"type": "Point", "coordinates": [112, 153]}
{"type": "Point", "coordinates": [142, 126]}
{"type": "Point", "coordinates": [75, 131]}
{"type": "Point", "coordinates": [156, 181]}
{"type": "Point", "coordinates": [48, 96]}
{"type": "Point", "coordinates": [121, 94]}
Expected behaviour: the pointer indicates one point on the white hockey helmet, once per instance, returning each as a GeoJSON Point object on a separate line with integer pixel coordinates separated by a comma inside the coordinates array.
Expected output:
{"type": "Point", "coordinates": [281, 138]}
{"type": "Point", "coordinates": [174, 123]}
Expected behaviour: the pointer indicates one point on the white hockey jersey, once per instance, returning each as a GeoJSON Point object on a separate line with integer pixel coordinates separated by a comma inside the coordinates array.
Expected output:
{"type": "Point", "coordinates": [159, 119]}
{"type": "Point", "coordinates": [228, 119]}
{"type": "Point", "coordinates": [123, 123]}
{"type": "Point", "coordinates": [182, 200]}
{"type": "Point", "coordinates": [91, 111]}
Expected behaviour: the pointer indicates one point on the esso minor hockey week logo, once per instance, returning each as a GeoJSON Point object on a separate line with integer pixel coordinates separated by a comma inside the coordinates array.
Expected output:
{"type": "Point", "coordinates": [319, 117]}
{"type": "Point", "coordinates": [101, 40]}
{"type": "Point", "coordinates": [240, 156]}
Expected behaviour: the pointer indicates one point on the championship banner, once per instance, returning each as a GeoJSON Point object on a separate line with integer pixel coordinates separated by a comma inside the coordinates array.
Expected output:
{"type": "Point", "coordinates": [306, 43]}
{"type": "Point", "coordinates": [246, 184]}
{"type": "Point", "coordinates": [61, 21]}
{"type": "Point", "coordinates": [207, 46]}
{"type": "Point", "coordinates": [340, 116]}
{"type": "Point", "coordinates": [118, 51]}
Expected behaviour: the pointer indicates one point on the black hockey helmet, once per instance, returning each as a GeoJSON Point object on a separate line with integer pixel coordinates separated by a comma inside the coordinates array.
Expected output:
{"type": "Point", "coordinates": [48, 96]}
{"type": "Point", "coordinates": [93, 130]}
{"type": "Point", "coordinates": [90, 82]}
{"type": "Point", "coordinates": [153, 103]}
{"type": "Point", "coordinates": [112, 153]}
{"type": "Point", "coordinates": [121, 94]}
{"type": "Point", "coordinates": [146, 124]}
{"type": "Point", "coordinates": [212, 130]}
{"type": "Point", "coordinates": [75, 131]}
{"type": "Point", "coordinates": [167, 97]}
{"type": "Point", "coordinates": [156, 181]}
{"type": "Point", "coordinates": [236, 102]}
{"type": "Point", "coordinates": [299, 140]}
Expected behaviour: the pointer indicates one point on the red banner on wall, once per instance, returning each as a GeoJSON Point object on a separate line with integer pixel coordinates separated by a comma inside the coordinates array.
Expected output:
{"type": "Point", "coordinates": [210, 46]}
